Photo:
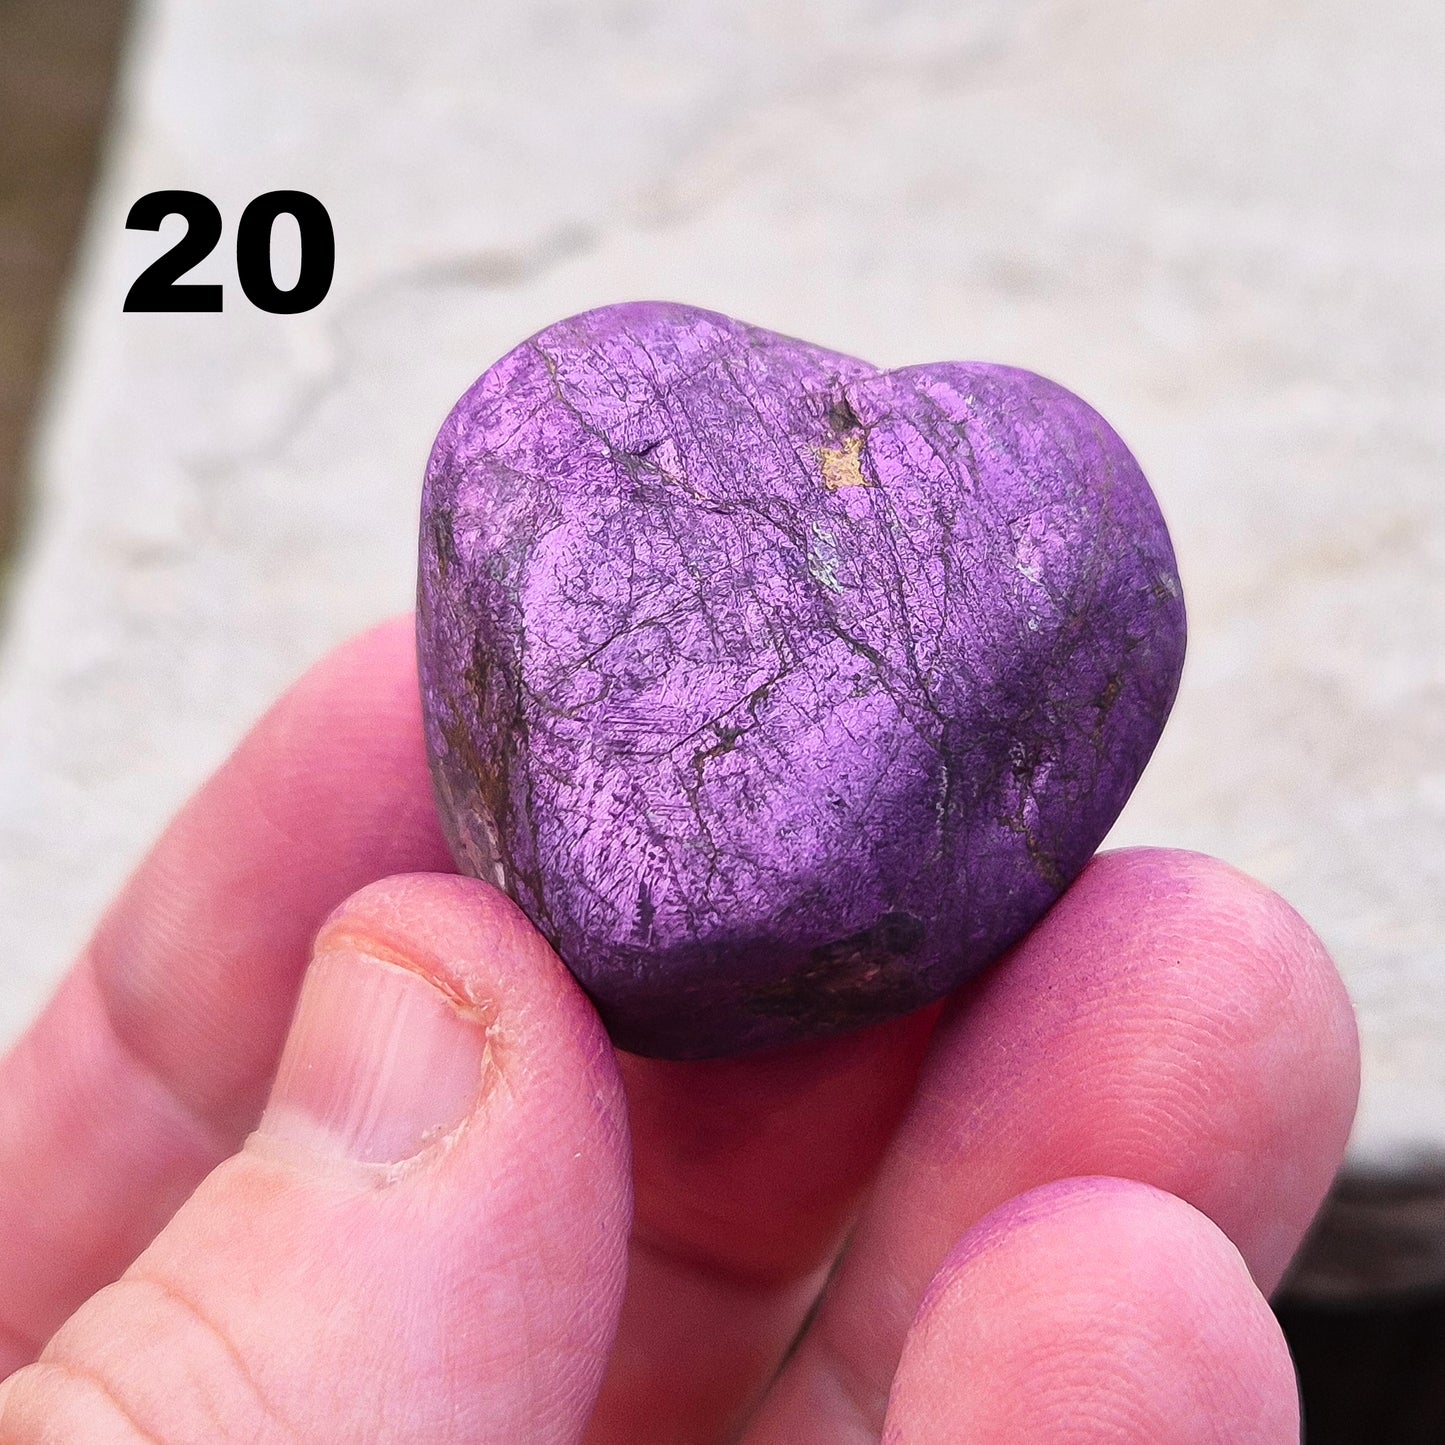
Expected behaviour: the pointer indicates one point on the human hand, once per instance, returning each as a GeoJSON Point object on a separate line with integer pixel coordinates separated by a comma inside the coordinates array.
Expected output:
{"type": "Point", "coordinates": [1065, 1192]}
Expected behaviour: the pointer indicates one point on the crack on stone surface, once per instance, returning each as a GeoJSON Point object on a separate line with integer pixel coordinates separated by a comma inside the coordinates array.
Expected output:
{"type": "Point", "coordinates": [841, 416]}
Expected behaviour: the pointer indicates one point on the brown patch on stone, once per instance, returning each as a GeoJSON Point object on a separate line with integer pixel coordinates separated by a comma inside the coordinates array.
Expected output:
{"type": "Point", "coordinates": [851, 981]}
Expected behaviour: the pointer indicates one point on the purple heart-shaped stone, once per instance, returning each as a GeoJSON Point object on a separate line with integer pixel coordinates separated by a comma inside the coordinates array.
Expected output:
{"type": "Point", "coordinates": [782, 693]}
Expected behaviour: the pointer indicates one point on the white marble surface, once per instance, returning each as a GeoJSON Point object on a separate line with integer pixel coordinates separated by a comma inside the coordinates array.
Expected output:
{"type": "Point", "coordinates": [1218, 220]}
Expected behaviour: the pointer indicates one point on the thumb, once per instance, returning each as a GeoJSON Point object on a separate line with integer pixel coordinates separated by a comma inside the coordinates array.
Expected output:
{"type": "Point", "coordinates": [425, 1238]}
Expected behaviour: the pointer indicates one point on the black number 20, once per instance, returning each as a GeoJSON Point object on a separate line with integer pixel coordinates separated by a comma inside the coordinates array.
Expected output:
{"type": "Point", "coordinates": [158, 287]}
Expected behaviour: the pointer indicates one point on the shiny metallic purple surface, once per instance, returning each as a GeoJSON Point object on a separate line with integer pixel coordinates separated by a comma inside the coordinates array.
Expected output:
{"type": "Point", "coordinates": [782, 693]}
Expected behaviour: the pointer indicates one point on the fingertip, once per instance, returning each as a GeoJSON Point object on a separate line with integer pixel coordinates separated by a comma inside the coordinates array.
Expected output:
{"type": "Point", "coordinates": [1180, 1022]}
{"type": "Point", "coordinates": [1127, 1223]}
{"type": "Point", "coordinates": [1097, 1304]}
{"type": "Point", "coordinates": [1279, 1002]}
{"type": "Point", "coordinates": [1201, 896]}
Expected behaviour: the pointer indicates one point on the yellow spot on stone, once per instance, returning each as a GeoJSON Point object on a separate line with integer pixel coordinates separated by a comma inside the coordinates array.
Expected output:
{"type": "Point", "coordinates": [841, 465]}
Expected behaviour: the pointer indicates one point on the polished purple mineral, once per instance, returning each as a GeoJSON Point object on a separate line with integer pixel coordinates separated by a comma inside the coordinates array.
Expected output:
{"type": "Point", "coordinates": [781, 693]}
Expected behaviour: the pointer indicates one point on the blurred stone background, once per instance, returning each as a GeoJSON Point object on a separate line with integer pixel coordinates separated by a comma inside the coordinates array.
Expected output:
{"type": "Point", "coordinates": [1219, 221]}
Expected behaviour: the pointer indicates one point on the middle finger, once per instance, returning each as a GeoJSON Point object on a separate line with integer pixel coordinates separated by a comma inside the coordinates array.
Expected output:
{"type": "Point", "coordinates": [1170, 1021]}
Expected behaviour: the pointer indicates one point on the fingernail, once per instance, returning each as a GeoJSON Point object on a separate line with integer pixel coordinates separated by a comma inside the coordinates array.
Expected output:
{"type": "Point", "coordinates": [378, 1063]}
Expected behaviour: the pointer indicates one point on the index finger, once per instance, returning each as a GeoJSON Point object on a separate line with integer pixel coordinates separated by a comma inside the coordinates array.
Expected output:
{"type": "Point", "coordinates": [1170, 1021]}
{"type": "Point", "coordinates": [153, 1060]}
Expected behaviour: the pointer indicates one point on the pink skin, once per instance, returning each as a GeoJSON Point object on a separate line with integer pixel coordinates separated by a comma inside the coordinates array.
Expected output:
{"type": "Point", "coordinates": [452, 1252]}
{"type": "Point", "coordinates": [1155, 1334]}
